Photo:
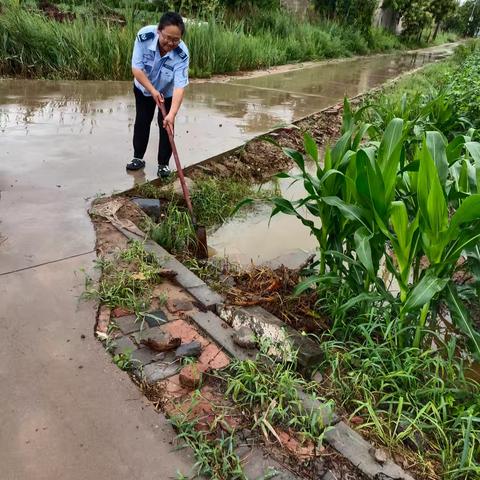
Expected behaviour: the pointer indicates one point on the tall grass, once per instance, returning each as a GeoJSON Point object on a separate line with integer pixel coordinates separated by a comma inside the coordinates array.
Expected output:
{"type": "Point", "coordinates": [88, 48]}
{"type": "Point", "coordinates": [34, 46]}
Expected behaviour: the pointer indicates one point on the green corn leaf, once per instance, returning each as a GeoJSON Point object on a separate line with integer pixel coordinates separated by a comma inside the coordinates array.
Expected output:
{"type": "Point", "coordinates": [362, 297]}
{"type": "Point", "coordinates": [389, 155]}
{"type": "Point", "coordinates": [404, 246]}
{"type": "Point", "coordinates": [296, 156]}
{"type": "Point", "coordinates": [311, 147]}
{"type": "Point", "coordinates": [468, 212]}
{"type": "Point", "coordinates": [424, 291]}
{"type": "Point", "coordinates": [370, 186]}
{"type": "Point", "coordinates": [474, 151]}
{"type": "Point", "coordinates": [284, 206]}
{"type": "Point", "coordinates": [307, 284]}
{"type": "Point", "coordinates": [360, 134]}
{"type": "Point", "coordinates": [454, 149]}
{"type": "Point", "coordinates": [352, 212]}
{"type": "Point", "coordinates": [433, 206]}
{"type": "Point", "coordinates": [462, 319]}
{"type": "Point", "coordinates": [436, 146]}
{"type": "Point", "coordinates": [340, 148]}
{"type": "Point", "coordinates": [240, 205]}
{"type": "Point", "coordinates": [364, 252]}
{"type": "Point", "coordinates": [467, 239]}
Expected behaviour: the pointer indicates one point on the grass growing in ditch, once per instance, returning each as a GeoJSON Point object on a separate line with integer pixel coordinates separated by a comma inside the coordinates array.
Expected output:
{"type": "Point", "coordinates": [214, 199]}
{"type": "Point", "coordinates": [420, 402]}
{"type": "Point", "coordinates": [267, 395]}
{"type": "Point", "coordinates": [175, 230]}
{"type": "Point", "coordinates": [397, 199]}
{"type": "Point", "coordinates": [127, 279]}
{"type": "Point", "coordinates": [270, 393]}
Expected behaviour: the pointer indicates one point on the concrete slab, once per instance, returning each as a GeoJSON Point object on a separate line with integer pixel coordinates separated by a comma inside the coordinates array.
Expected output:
{"type": "Point", "coordinates": [216, 328]}
{"type": "Point", "coordinates": [59, 420]}
{"type": "Point", "coordinates": [353, 447]}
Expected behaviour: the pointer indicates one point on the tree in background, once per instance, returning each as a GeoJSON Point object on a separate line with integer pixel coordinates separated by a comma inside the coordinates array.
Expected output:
{"type": "Point", "coordinates": [441, 9]}
{"type": "Point", "coordinates": [466, 19]}
{"type": "Point", "coordinates": [417, 15]}
{"type": "Point", "coordinates": [351, 12]}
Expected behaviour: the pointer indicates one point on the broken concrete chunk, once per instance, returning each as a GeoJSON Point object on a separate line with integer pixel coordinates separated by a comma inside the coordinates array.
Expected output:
{"type": "Point", "coordinates": [179, 305]}
{"type": "Point", "coordinates": [356, 449]}
{"type": "Point", "coordinates": [151, 206]}
{"type": "Point", "coordinates": [159, 341]}
{"type": "Point", "coordinates": [379, 455]}
{"type": "Point", "coordinates": [284, 340]}
{"type": "Point", "coordinates": [192, 349]}
{"type": "Point", "coordinates": [245, 338]}
{"type": "Point", "coordinates": [157, 371]}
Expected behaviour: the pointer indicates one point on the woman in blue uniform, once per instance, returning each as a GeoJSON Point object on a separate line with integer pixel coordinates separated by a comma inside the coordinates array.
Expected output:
{"type": "Point", "coordinates": [160, 66]}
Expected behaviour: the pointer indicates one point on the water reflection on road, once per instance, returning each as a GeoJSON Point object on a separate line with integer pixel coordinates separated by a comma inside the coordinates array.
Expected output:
{"type": "Point", "coordinates": [64, 142]}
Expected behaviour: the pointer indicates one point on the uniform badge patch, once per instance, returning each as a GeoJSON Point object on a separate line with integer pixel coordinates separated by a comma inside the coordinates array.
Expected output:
{"type": "Point", "coordinates": [143, 37]}
{"type": "Point", "coordinates": [180, 53]}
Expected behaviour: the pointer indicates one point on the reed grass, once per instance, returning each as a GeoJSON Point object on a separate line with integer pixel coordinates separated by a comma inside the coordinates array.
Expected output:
{"type": "Point", "coordinates": [35, 46]}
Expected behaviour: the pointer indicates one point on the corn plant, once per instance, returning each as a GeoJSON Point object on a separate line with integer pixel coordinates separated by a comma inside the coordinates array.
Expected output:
{"type": "Point", "coordinates": [372, 204]}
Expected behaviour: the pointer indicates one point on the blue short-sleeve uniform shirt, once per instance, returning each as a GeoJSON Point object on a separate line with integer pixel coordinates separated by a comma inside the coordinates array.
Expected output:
{"type": "Point", "coordinates": [165, 73]}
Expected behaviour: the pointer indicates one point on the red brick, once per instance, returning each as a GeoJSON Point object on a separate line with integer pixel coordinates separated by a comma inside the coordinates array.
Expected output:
{"type": "Point", "coordinates": [214, 357]}
{"type": "Point", "coordinates": [302, 450]}
{"type": "Point", "coordinates": [179, 305]}
{"type": "Point", "coordinates": [121, 312]}
{"type": "Point", "coordinates": [208, 354]}
{"type": "Point", "coordinates": [103, 320]}
{"type": "Point", "coordinates": [192, 376]}
{"type": "Point", "coordinates": [220, 361]}
{"type": "Point", "coordinates": [174, 389]}
{"type": "Point", "coordinates": [180, 328]}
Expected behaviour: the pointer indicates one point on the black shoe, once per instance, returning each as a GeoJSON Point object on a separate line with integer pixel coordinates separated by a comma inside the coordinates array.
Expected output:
{"type": "Point", "coordinates": [136, 164]}
{"type": "Point", "coordinates": [163, 171]}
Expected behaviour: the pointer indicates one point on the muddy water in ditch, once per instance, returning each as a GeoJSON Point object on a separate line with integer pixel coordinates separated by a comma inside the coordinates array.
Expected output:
{"type": "Point", "coordinates": [64, 142]}
{"type": "Point", "coordinates": [257, 238]}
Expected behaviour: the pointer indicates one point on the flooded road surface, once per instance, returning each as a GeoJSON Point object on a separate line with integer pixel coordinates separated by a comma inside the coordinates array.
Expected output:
{"type": "Point", "coordinates": [65, 142]}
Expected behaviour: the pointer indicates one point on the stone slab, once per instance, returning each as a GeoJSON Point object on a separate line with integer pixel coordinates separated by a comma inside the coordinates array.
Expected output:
{"type": "Point", "coordinates": [156, 318]}
{"type": "Point", "coordinates": [158, 371]}
{"type": "Point", "coordinates": [207, 297]}
{"type": "Point", "coordinates": [144, 356]}
{"type": "Point", "coordinates": [353, 447]}
{"type": "Point", "coordinates": [128, 324]}
{"type": "Point", "coordinates": [123, 345]}
{"type": "Point", "coordinates": [221, 333]}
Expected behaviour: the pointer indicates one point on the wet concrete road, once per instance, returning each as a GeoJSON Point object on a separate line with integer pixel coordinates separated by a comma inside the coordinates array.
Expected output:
{"type": "Point", "coordinates": [61, 144]}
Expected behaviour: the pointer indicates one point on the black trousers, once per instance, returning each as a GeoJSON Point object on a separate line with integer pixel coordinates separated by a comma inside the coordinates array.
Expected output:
{"type": "Point", "coordinates": [145, 109]}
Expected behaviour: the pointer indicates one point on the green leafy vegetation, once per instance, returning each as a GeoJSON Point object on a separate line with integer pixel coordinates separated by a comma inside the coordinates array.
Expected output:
{"type": "Point", "coordinates": [214, 199]}
{"type": "Point", "coordinates": [395, 208]}
{"type": "Point", "coordinates": [273, 389]}
{"type": "Point", "coordinates": [216, 458]}
{"type": "Point", "coordinates": [127, 279]}
{"type": "Point", "coordinates": [174, 231]}
{"type": "Point", "coordinates": [92, 40]}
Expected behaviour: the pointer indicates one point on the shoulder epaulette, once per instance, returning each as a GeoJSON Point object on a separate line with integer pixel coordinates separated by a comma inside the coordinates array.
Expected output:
{"type": "Point", "coordinates": [143, 37]}
{"type": "Point", "coordinates": [179, 51]}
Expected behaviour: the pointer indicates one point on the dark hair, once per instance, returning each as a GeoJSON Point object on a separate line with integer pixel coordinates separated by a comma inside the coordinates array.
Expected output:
{"type": "Point", "coordinates": [172, 18]}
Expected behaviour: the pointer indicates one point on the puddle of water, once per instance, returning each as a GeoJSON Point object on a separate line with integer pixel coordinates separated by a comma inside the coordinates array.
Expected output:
{"type": "Point", "coordinates": [255, 237]}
